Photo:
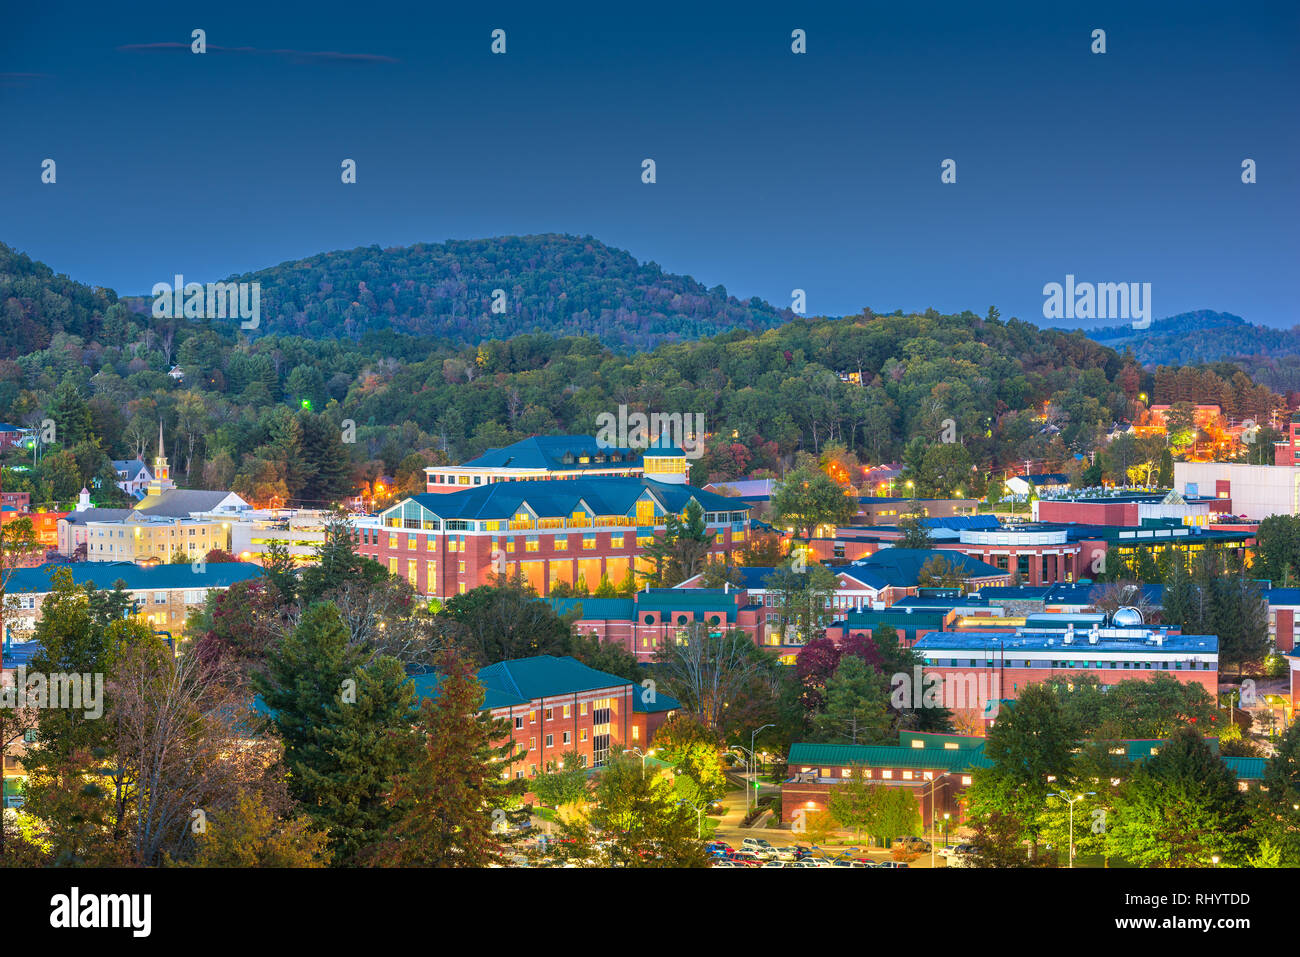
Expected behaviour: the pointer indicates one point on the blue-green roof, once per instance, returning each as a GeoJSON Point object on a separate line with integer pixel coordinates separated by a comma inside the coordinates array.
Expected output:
{"type": "Point", "coordinates": [901, 567]}
{"type": "Point", "coordinates": [104, 575]}
{"type": "Point", "coordinates": [888, 756]}
{"type": "Point", "coordinates": [515, 683]}
{"type": "Point", "coordinates": [501, 501]}
{"type": "Point", "coordinates": [955, 752]}
{"type": "Point", "coordinates": [550, 451]}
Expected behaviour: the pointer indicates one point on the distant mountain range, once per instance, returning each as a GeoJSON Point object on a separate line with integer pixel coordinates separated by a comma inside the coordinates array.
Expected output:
{"type": "Point", "coordinates": [556, 284]}
{"type": "Point", "coordinates": [1270, 356]}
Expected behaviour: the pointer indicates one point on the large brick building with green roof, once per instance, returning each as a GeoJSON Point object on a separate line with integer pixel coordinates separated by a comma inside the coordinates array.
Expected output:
{"type": "Point", "coordinates": [937, 768]}
{"type": "Point", "coordinates": [557, 704]}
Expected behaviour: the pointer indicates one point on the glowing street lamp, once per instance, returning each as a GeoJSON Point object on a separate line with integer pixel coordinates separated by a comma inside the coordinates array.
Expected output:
{"type": "Point", "coordinates": [1071, 801]}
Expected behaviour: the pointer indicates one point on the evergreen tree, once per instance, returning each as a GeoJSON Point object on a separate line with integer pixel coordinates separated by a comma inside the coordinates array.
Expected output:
{"type": "Point", "coordinates": [857, 706]}
{"type": "Point", "coordinates": [1180, 809]}
{"type": "Point", "coordinates": [345, 727]}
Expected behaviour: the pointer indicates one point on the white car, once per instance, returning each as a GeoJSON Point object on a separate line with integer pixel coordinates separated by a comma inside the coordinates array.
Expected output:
{"type": "Point", "coordinates": [774, 864]}
{"type": "Point", "coordinates": [960, 856]}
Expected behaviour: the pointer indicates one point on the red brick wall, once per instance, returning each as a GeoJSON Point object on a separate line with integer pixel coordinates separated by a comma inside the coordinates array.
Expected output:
{"type": "Point", "coordinates": [1089, 513]}
{"type": "Point", "coordinates": [534, 760]}
{"type": "Point", "coordinates": [1285, 629]}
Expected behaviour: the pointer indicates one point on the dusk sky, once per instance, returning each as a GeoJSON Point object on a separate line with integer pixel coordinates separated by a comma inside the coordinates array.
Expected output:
{"type": "Point", "coordinates": [775, 171]}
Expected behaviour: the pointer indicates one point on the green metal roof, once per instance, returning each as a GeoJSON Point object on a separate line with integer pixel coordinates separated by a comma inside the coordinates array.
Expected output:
{"type": "Point", "coordinates": [104, 575]}
{"type": "Point", "coordinates": [887, 756]}
{"type": "Point", "coordinates": [511, 684]}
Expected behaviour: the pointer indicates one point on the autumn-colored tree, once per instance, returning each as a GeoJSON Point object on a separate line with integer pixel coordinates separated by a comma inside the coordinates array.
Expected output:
{"type": "Point", "coordinates": [248, 834]}
{"type": "Point", "coordinates": [451, 801]}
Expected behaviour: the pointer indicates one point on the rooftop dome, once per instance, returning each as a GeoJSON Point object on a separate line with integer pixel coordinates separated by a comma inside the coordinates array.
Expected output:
{"type": "Point", "coordinates": [1126, 617]}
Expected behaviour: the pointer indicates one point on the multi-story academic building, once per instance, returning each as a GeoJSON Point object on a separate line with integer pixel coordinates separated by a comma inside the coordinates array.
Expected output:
{"type": "Point", "coordinates": [978, 669]}
{"type": "Point", "coordinates": [557, 458]}
{"type": "Point", "coordinates": [164, 594]}
{"type": "Point", "coordinates": [549, 530]}
{"type": "Point", "coordinates": [555, 705]}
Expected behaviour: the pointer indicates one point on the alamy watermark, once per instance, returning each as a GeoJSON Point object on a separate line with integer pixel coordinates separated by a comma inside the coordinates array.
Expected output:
{"type": "Point", "coordinates": [1129, 301]}
{"type": "Point", "coordinates": [955, 690]}
{"type": "Point", "coordinates": [216, 300]}
{"type": "Point", "coordinates": [639, 431]}
{"type": "Point", "coordinates": [35, 689]}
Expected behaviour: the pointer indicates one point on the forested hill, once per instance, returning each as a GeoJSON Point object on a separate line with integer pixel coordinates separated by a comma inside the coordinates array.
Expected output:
{"type": "Point", "coordinates": [553, 284]}
{"type": "Point", "coordinates": [1270, 356]}
{"type": "Point", "coordinates": [36, 304]}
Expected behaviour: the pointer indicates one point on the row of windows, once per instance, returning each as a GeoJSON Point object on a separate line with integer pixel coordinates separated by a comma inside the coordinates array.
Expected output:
{"type": "Point", "coordinates": [566, 711]}
{"type": "Point", "coordinates": [885, 774]}
{"type": "Point", "coordinates": [1103, 665]}
{"type": "Point", "coordinates": [565, 738]}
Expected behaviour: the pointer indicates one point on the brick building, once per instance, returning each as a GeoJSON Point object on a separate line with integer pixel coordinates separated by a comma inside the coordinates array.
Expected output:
{"type": "Point", "coordinates": [977, 669]}
{"type": "Point", "coordinates": [164, 594]}
{"type": "Point", "coordinates": [937, 769]}
{"type": "Point", "coordinates": [654, 616]}
{"type": "Point", "coordinates": [557, 704]}
{"type": "Point", "coordinates": [573, 531]}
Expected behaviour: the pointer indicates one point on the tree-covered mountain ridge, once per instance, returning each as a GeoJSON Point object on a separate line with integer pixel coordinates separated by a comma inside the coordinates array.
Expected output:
{"type": "Point", "coordinates": [1271, 356]}
{"type": "Point", "coordinates": [553, 284]}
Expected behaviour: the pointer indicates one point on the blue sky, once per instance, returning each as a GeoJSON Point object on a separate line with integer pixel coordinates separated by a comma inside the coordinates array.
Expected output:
{"type": "Point", "coordinates": [775, 171]}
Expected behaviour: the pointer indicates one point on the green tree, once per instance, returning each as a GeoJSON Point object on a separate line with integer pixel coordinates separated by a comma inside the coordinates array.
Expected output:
{"type": "Point", "coordinates": [345, 726]}
{"type": "Point", "coordinates": [681, 552]}
{"type": "Point", "coordinates": [565, 784]}
{"type": "Point", "coordinates": [451, 801]}
{"type": "Point", "coordinates": [643, 816]}
{"type": "Point", "coordinates": [807, 498]}
{"type": "Point", "coordinates": [1180, 809]}
{"type": "Point", "coordinates": [857, 706]}
{"type": "Point", "coordinates": [693, 750]}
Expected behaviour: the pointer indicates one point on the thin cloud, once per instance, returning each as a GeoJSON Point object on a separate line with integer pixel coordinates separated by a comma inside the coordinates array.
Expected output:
{"type": "Point", "coordinates": [11, 80]}
{"type": "Point", "coordinates": [298, 56]}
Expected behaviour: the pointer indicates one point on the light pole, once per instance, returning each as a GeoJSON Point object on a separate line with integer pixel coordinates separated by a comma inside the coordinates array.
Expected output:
{"type": "Point", "coordinates": [748, 755]}
{"type": "Point", "coordinates": [933, 785]}
{"type": "Point", "coordinates": [754, 763]}
{"type": "Point", "coordinates": [637, 751]}
{"type": "Point", "coordinates": [1070, 801]}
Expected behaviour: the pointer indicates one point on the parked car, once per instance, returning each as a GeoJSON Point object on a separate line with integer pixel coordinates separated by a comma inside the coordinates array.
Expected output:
{"type": "Point", "coordinates": [848, 862]}
{"type": "Point", "coordinates": [787, 854]}
{"type": "Point", "coordinates": [891, 864]}
{"type": "Point", "coordinates": [818, 861]}
{"type": "Point", "coordinates": [916, 844]}
{"type": "Point", "coordinates": [748, 858]}
{"type": "Point", "coordinates": [756, 844]}
{"type": "Point", "coordinates": [774, 863]}
{"type": "Point", "coordinates": [961, 856]}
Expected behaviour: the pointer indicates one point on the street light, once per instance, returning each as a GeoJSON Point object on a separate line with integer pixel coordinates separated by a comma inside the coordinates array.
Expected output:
{"type": "Point", "coordinates": [637, 751]}
{"type": "Point", "coordinates": [699, 820]}
{"type": "Point", "coordinates": [933, 785]}
{"type": "Point", "coordinates": [1070, 801]}
{"type": "Point", "coordinates": [753, 761]}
